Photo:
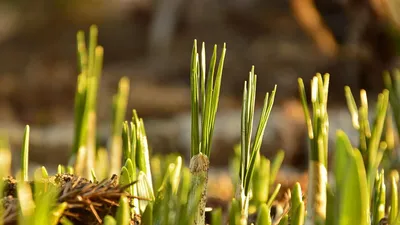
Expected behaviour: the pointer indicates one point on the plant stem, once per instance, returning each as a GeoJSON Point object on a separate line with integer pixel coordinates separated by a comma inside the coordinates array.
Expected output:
{"type": "Point", "coordinates": [199, 165]}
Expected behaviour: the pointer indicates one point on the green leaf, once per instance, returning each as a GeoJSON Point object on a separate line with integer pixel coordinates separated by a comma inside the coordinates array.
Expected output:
{"type": "Point", "coordinates": [109, 220]}
{"type": "Point", "coordinates": [261, 178]}
{"type": "Point", "coordinates": [216, 216]}
{"type": "Point", "coordinates": [298, 218]}
{"type": "Point", "coordinates": [60, 169]}
{"type": "Point", "coordinates": [25, 198]}
{"type": "Point", "coordinates": [57, 213]}
{"type": "Point", "coordinates": [342, 157]}
{"type": "Point", "coordinates": [354, 199]}
{"type": "Point", "coordinates": [131, 169]}
{"type": "Point", "coordinates": [144, 191]}
{"type": "Point", "coordinates": [296, 200]}
{"type": "Point", "coordinates": [394, 205]}
{"type": "Point", "coordinates": [234, 212]}
{"type": "Point", "coordinates": [284, 220]}
{"type": "Point", "coordinates": [276, 165]}
{"type": "Point", "coordinates": [264, 216]}
{"type": "Point", "coordinates": [147, 217]}
{"type": "Point", "coordinates": [25, 154]}
{"type": "Point", "coordinates": [120, 102]}
{"type": "Point", "coordinates": [273, 195]}
{"type": "Point", "coordinates": [102, 159]}
{"type": "Point", "coordinates": [379, 198]}
{"type": "Point", "coordinates": [194, 87]}
{"type": "Point", "coordinates": [93, 175]}
{"type": "Point", "coordinates": [123, 215]}
{"type": "Point", "coordinates": [44, 172]}
{"type": "Point", "coordinates": [351, 104]}
{"type": "Point", "coordinates": [125, 177]}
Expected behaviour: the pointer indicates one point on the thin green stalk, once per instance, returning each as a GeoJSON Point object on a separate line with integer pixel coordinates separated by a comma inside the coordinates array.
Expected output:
{"type": "Point", "coordinates": [379, 198]}
{"type": "Point", "coordinates": [25, 155]}
{"type": "Point", "coordinates": [394, 205]}
{"type": "Point", "coordinates": [120, 102]}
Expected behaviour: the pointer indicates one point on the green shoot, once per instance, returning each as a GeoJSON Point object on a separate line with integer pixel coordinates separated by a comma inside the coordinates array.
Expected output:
{"type": "Point", "coordinates": [120, 102]}
{"type": "Point", "coordinates": [90, 65]}
{"type": "Point", "coordinates": [25, 155]}
{"type": "Point", "coordinates": [250, 151]}
{"type": "Point", "coordinates": [204, 104]}
{"type": "Point", "coordinates": [318, 128]}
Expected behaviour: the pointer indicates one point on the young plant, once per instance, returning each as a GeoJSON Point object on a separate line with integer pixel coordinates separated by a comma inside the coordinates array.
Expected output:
{"type": "Point", "coordinates": [90, 66]}
{"type": "Point", "coordinates": [120, 102]}
{"type": "Point", "coordinates": [204, 104]}
{"type": "Point", "coordinates": [370, 144]}
{"type": "Point", "coordinates": [318, 127]}
{"type": "Point", "coordinates": [251, 151]}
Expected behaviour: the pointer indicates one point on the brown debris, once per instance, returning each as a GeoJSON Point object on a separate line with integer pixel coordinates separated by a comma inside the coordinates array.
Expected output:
{"type": "Point", "coordinates": [88, 202]}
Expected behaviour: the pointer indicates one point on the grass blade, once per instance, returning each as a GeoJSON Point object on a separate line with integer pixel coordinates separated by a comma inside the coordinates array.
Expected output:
{"type": "Point", "coordinates": [25, 155]}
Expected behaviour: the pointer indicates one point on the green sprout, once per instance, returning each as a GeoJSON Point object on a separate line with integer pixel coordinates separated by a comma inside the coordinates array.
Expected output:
{"type": "Point", "coordinates": [318, 127]}
{"type": "Point", "coordinates": [120, 102]}
{"type": "Point", "coordinates": [25, 155]}
{"type": "Point", "coordinates": [250, 151]}
{"type": "Point", "coordinates": [90, 67]}
{"type": "Point", "coordinates": [204, 104]}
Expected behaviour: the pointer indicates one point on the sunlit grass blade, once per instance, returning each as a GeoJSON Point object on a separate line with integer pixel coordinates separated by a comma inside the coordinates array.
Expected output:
{"type": "Point", "coordinates": [394, 204]}
{"type": "Point", "coordinates": [120, 102]}
{"type": "Point", "coordinates": [25, 155]}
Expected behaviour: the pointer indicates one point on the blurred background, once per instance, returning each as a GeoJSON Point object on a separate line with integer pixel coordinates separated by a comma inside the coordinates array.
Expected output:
{"type": "Point", "coordinates": [150, 41]}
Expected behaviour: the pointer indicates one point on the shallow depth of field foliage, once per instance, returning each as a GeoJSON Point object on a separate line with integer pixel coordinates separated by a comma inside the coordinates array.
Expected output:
{"type": "Point", "coordinates": [125, 184]}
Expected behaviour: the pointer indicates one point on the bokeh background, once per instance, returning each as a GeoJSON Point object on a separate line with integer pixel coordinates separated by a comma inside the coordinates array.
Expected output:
{"type": "Point", "coordinates": [150, 42]}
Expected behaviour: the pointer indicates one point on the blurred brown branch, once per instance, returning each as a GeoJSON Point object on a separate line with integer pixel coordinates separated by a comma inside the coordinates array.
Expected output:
{"type": "Point", "coordinates": [311, 21]}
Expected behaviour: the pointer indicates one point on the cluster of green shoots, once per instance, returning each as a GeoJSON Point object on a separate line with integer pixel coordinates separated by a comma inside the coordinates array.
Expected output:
{"type": "Point", "coordinates": [167, 192]}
